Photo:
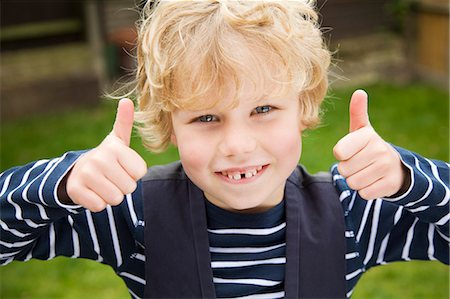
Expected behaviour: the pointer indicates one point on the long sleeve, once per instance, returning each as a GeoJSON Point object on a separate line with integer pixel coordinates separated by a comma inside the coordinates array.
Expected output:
{"type": "Point", "coordinates": [29, 207]}
{"type": "Point", "coordinates": [34, 223]}
{"type": "Point", "coordinates": [413, 226]}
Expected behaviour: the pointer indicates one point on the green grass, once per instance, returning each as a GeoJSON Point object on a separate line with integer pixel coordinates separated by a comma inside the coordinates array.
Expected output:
{"type": "Point", "coordinates": [412, 116]}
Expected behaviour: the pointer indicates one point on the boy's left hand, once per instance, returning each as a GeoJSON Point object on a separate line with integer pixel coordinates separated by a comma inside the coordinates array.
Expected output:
{"type": "Point", "coordinates": [369, 164]}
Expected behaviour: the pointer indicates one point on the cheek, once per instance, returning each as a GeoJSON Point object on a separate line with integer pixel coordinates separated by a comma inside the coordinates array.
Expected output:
{"type": "Point", "coordinates": [291, 147]}
{"type": "Point", "coordinates": [286, 141]}
{"type": "Point", "coordinates": [193, 153]}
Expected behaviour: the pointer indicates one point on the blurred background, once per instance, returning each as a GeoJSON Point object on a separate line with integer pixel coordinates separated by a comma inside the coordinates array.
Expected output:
{"type": "Point", "coordinates": [60, 54]}
{"type": "Point", "coordinates": [59, 58]}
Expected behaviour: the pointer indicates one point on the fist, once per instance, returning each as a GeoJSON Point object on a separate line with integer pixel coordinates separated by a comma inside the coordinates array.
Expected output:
{"type": "Point", "coordinates": [105, 174]}
{"type": "Point", "coordinates": [369, 164]}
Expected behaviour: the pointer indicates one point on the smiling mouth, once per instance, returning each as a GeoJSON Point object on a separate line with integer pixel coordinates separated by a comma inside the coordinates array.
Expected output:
{"type": "Point", "coordinates": [237, 175]}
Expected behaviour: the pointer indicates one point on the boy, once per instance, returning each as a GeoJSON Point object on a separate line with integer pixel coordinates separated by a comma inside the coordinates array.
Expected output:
{"type": "Point", "coordinates": [232, 85]}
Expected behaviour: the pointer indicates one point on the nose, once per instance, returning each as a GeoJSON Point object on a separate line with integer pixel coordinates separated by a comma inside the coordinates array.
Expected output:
{"type": "Point", "coordinates": [237, 139]}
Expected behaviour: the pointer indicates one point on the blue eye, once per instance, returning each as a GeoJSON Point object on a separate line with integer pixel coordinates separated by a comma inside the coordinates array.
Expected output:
{"type": "Point", "coordinates": [263, 109]}
{"type": "Point", "coordinates": [206, 118]}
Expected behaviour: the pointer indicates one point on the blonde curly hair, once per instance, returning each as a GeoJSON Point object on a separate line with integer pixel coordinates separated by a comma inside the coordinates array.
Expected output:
{"type": "Point", "coordinates": [186, 49]}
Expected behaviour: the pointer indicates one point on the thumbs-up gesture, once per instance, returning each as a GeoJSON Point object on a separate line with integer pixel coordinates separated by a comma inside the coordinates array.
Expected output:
{"type": "Point", "coordinates": [105, 174]}
{"type": "Point", "coordinates": [369, 164]}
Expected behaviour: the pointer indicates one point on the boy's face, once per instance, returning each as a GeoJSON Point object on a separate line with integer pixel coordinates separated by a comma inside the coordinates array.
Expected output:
{"type": "Point", "coordinates": [241, 157]}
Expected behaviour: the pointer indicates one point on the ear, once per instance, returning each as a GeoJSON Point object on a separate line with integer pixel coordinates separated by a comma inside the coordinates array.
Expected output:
{"type": "Point", "coordinates": [301, 126]}
{"type": "Point", "coordinates": [173, 139]}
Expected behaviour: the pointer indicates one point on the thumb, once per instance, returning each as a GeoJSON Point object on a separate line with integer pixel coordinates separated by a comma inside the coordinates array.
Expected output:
{"type": "Point", "coordinates": [359, 116]}
{"type": "Point", "coordinates": [123, 124]}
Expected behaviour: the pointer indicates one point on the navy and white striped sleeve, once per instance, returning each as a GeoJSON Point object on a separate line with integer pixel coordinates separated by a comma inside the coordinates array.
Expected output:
{"type": "Point", "coordinates": [427, 200]}
{"type": "Point", "coordinates": [32, 216]}
{"type": "Point", "coordinates": [34, 223]}
{"type": "Point", "coordinates": [413, 226]}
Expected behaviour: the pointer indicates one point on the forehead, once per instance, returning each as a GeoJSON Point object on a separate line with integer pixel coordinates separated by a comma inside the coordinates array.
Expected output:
{"type": "Point", "coordinates": [234, 91]}
{"type": "Point", "coordinates": [251, 75]}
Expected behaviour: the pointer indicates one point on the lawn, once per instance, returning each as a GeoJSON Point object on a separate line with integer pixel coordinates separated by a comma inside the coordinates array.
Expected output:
{"type": "Point", "coordinates": [411, 116]}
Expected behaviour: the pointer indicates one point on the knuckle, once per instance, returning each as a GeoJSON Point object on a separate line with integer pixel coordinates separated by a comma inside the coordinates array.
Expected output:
{"type": "Point", "coordinates": [98, 161]}
{"type": "Point", "coordinates": [142, 170]}
{"type": "Point", "coordinates": [342, 169]}
{"type": "Point", "coordinates": [356, 183]}
{"type": "Point", "coordinates": [139, 172]}
{"type": "Point", "coordinates": [97, 206]}
{"type": "Point", "coordinates": [383, 151]}
{"type": "Point", "coordinates": [369, 193]}
{"type": "Point", "coordinates": [128, 187]}
{"type": "Point", "coordinates": [337, 152]}
{"type": "Point", "coordinates": [351, 183]}
{"type": "Point", "coordinates": [85, 173]}
{"type": "Point", "coordinates": [115, 198]}
{"type": "Point", "coordinates": [365, 194]}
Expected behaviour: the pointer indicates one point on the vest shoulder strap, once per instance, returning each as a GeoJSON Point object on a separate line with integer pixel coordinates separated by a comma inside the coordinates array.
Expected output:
{"type": "Point", "coordinates": [320, 177]}
{"type": "Point", "coordinates": [314, 236]}
{"type": "Point", "coordinates": [170, 171]}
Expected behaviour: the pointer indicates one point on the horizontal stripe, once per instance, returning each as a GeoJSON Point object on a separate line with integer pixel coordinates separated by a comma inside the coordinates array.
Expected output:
{"type": "Point", "coordinates": [262, 296]}
{"type": "Point", "coordinates": [419, 209]}
{"type": "Point", "coordinates": [351, 255]}
{"type": "Point", "coordinates": [443, 220]}
{"type": "Point", "coordinates": [8, 255]}
{"type": "Point", "coordinates": [13, 231]}
{"type": "Point", "coordinates": [353, 274]}
{"type": "Point", "coordinates": [139, 256]}
{"type": "Point", "coordinates": [132, 277]}
{"type": "Point", "coordinates": [244, 249]}
{"type": "Point", "coordinates": [249, 231]}
{"type": "Point", "coordinates": [257, 282]}
{"type": "Point", "coordinates": [15, 244]}
{"type": "Point", "coordinates": [232, 264]}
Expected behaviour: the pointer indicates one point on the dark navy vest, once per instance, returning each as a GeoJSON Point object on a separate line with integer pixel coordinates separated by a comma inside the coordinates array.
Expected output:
{"type": "Point", "coordinates": [178, 262]}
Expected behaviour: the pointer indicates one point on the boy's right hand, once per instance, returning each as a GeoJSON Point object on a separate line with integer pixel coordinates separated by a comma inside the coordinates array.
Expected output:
{"type": "Point", "coordinates": [105, 174]}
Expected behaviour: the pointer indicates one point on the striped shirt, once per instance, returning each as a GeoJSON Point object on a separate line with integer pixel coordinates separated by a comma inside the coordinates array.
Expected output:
{"type": "Point", "coordinates": [35, 224]}
{"type": "Point", "coordinates": [248, 252]}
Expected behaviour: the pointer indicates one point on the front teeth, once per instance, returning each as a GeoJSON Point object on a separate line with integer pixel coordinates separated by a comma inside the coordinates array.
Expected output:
{"type": "Point", "coordinates": [237, 175]}
{"type": "Point", "coordinates": [250, 174]}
